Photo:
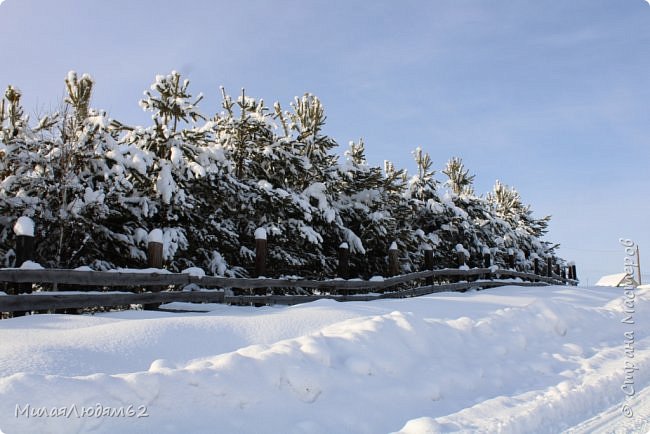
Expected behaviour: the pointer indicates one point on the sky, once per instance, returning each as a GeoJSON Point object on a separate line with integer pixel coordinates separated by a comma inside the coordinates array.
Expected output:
{"type": "Point", "coordinates": [551, 97]}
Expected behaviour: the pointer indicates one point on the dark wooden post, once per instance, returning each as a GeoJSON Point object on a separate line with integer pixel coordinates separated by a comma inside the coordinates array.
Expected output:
{"type": "Point", "coordinates": [260, 252]}
{"type": "Point", "coordinates": [569, 271]}
{"type": "Point", "coordinates": [487, 257]}
{"type": "Point", "coordinates": [24, 230]}
{"type": "Point", "coordinates": [460, 260]}
{"type": "Point", "coordinates": [344, 261]}
{"type": "Point", "coordinates": [260, 260]}
{"type": "Point", "coordinates": [487, 261]}
{"type": "Point", "coordinates": [549, 267]}
{"type": "Point", "coordinates": [154, 260]}
{"type": "Point", "coordinates": [525, 264]}
{"type": "Point", "coordinates": [563, 273]}
{"type": "Point", "coordinates": [393, 260]}
{"type": "Point", "coordinates": [536, 266]}
{"type": "Point", "coordinates": [155, 249]}
{"type": "Point", "coordinates": [573, 271]}
{"type": "Point", "coordinates": [558, 270]}
{"type": "Point", "coordinates": [428, 263]}
{"type": "Point", "coordinates": [511, 259]}
{"type": "Point", "coordinates": [460, 255]}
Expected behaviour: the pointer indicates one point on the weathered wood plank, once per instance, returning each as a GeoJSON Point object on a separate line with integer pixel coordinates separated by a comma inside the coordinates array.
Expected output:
{"type": "Point", "coordinates": [42, 301]}
{"type": "Point", "coordinates": [109, 278]}
{"type": "Point", "coordinates": [93, 278]}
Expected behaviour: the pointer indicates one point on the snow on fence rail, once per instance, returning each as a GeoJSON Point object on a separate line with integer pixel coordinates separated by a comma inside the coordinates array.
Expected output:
{"type": "Point", "coordinates": [338, 289]}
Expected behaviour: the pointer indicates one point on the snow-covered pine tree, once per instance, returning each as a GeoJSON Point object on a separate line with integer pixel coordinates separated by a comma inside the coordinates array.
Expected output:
{"type": "Point", "coordinates": [469, 217]}
{"type": "Point", "coordinates": [210, 184]}
{"type": "Point", "coordinates": [84, 224]}
{"type": "Point", "coordinates": [360, 188]}
{"type": "Point", "coordinates": [259, 189]}
{"type": "Point", "coordinates": [525, 230]}
{"type": "Point", "coordinates": [57, 173]}
{"type": "Point", "coordinates": [173, 189]}
{"type": "Point", "coordinates": [387, 221]}
{"type": "Point", "coordinates": [17, 154]}
{"type": "Point", "coordinates": [430, 215]}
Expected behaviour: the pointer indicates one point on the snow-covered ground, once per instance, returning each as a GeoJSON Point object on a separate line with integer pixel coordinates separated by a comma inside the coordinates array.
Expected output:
{"type": "Point", "coordinates": [510, 359]}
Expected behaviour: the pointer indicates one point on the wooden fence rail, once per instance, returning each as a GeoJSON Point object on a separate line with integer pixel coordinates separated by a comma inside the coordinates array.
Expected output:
{"type": "Point", "coordinates": [338, 289]}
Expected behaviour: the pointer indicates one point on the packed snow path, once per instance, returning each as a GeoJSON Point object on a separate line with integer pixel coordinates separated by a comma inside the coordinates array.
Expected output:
{"type": "Point", "coordinates": [610, 421]}
{"type": "Point", "coordinates": [504, 360]}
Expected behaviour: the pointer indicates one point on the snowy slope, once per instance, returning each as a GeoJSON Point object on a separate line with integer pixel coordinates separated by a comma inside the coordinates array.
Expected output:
{"type": "Point", "coordinates": [503, 360]}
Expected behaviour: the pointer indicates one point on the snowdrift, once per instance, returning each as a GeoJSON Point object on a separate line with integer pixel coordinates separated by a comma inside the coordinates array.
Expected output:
{"type": "Point", "coordinates": [505, 360]}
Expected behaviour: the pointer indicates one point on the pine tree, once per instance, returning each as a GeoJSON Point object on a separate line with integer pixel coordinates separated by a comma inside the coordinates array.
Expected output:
{"type": "Point", "coordinates": [96, 187]}
{"type": "Point", "coordinates": [460, 181]}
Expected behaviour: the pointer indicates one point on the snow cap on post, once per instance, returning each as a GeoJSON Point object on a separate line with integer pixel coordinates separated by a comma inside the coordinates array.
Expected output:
{"type": "Point", "coordinates": [344, 246]}
{"type": "Point", "coordinates": [393, 246]}
{"type": "Point", "coordinates": [511, 252]}
{"type": "Point", "coordinates": [427, 247]}
{"type": "Point", "coordinates": [155, 236]}
{"type": "Point", "coordinates": [24, 226]}
{"type": "Point", "coordinates": [486, 250]}
{"type": "Point", "coordinates": [260, 234]}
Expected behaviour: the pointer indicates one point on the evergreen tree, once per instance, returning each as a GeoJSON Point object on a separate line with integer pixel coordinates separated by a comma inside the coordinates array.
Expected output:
{"type": "Point", "coordinates": [96, 187]}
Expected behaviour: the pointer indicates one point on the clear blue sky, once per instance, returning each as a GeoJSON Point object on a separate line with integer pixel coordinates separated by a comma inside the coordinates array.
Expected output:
{"type": "Point", "coordinates": [549, 96]}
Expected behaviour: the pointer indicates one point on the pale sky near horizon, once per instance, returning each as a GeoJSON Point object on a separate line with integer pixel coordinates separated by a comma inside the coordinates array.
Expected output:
{"type": "Point", "coordinates": [549, 96]}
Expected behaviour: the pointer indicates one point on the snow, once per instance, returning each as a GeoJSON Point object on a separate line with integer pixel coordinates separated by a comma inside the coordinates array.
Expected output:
{"type": "Point", "coordinates": [155, 236]}
{"type": "Point", "coordinates": [260, 234]}
{"type": "Point", "coordinates": [91, 196]}
{"type": "Point", "coordinates": [317, 191]}
{"type": "Point", "coordinates": [165, 184]}
{"type": "Point", "coordinates": [24, 226]}
{"type": "Point", "coordinates": [344, 246]}
{"type": "Point", "coordinates": [508, 360]}
{"type": "Point", "coordinates": [83, 268]}
{"type": "Point", "coordinates": [393, 246]}
{"type": "Point", "coordinates": [194, 271]}
{"type": "Point", "coordinates": [620, 279]}
{"type": "Point", "coordinates": [31, 265]}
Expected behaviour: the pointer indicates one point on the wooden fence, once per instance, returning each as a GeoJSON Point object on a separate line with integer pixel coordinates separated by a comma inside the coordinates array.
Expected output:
{"type": "Point", "coordinates": [92, 287]}
{"type": "Point", "coordinates": [95, 287]}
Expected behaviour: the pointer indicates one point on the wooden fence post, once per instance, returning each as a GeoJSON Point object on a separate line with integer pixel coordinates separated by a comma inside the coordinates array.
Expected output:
{"type": "Point", "coordinates": [154, 260]}
{"type": "Point", "coordinates": [428, 263]}
{"type": "Point", "coordinates": [260, 252]}
{"type": "Point", "coordinates": [24, 231]}
{"type": "Point", "coordinates": [573, 271]}
{"type": "Point", "coordinates": [344, 261]}
{"type": "Point", "coordinates": [511, 259]}
{"type": "Point", "coordinates": [549, 267]}
{"type": "Point", "coordinates": [487, 257]}
{"type": "Point", "coordinates": [460, 255]}
{"type": "Point", "coordinates": [536, 266]}
{"type": "Point", "coordinates": [563, 274]}
{"type": "Point", "coordinates": [460, 259]}
{"type": "Point", "coordinates": [393, 260]}
{"type": "Point", "coordinates": [260, 260]}
{"type": "Point", "coordinates": [155, 249]}
{"type": "Point", "coordinates": [486, 261]}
